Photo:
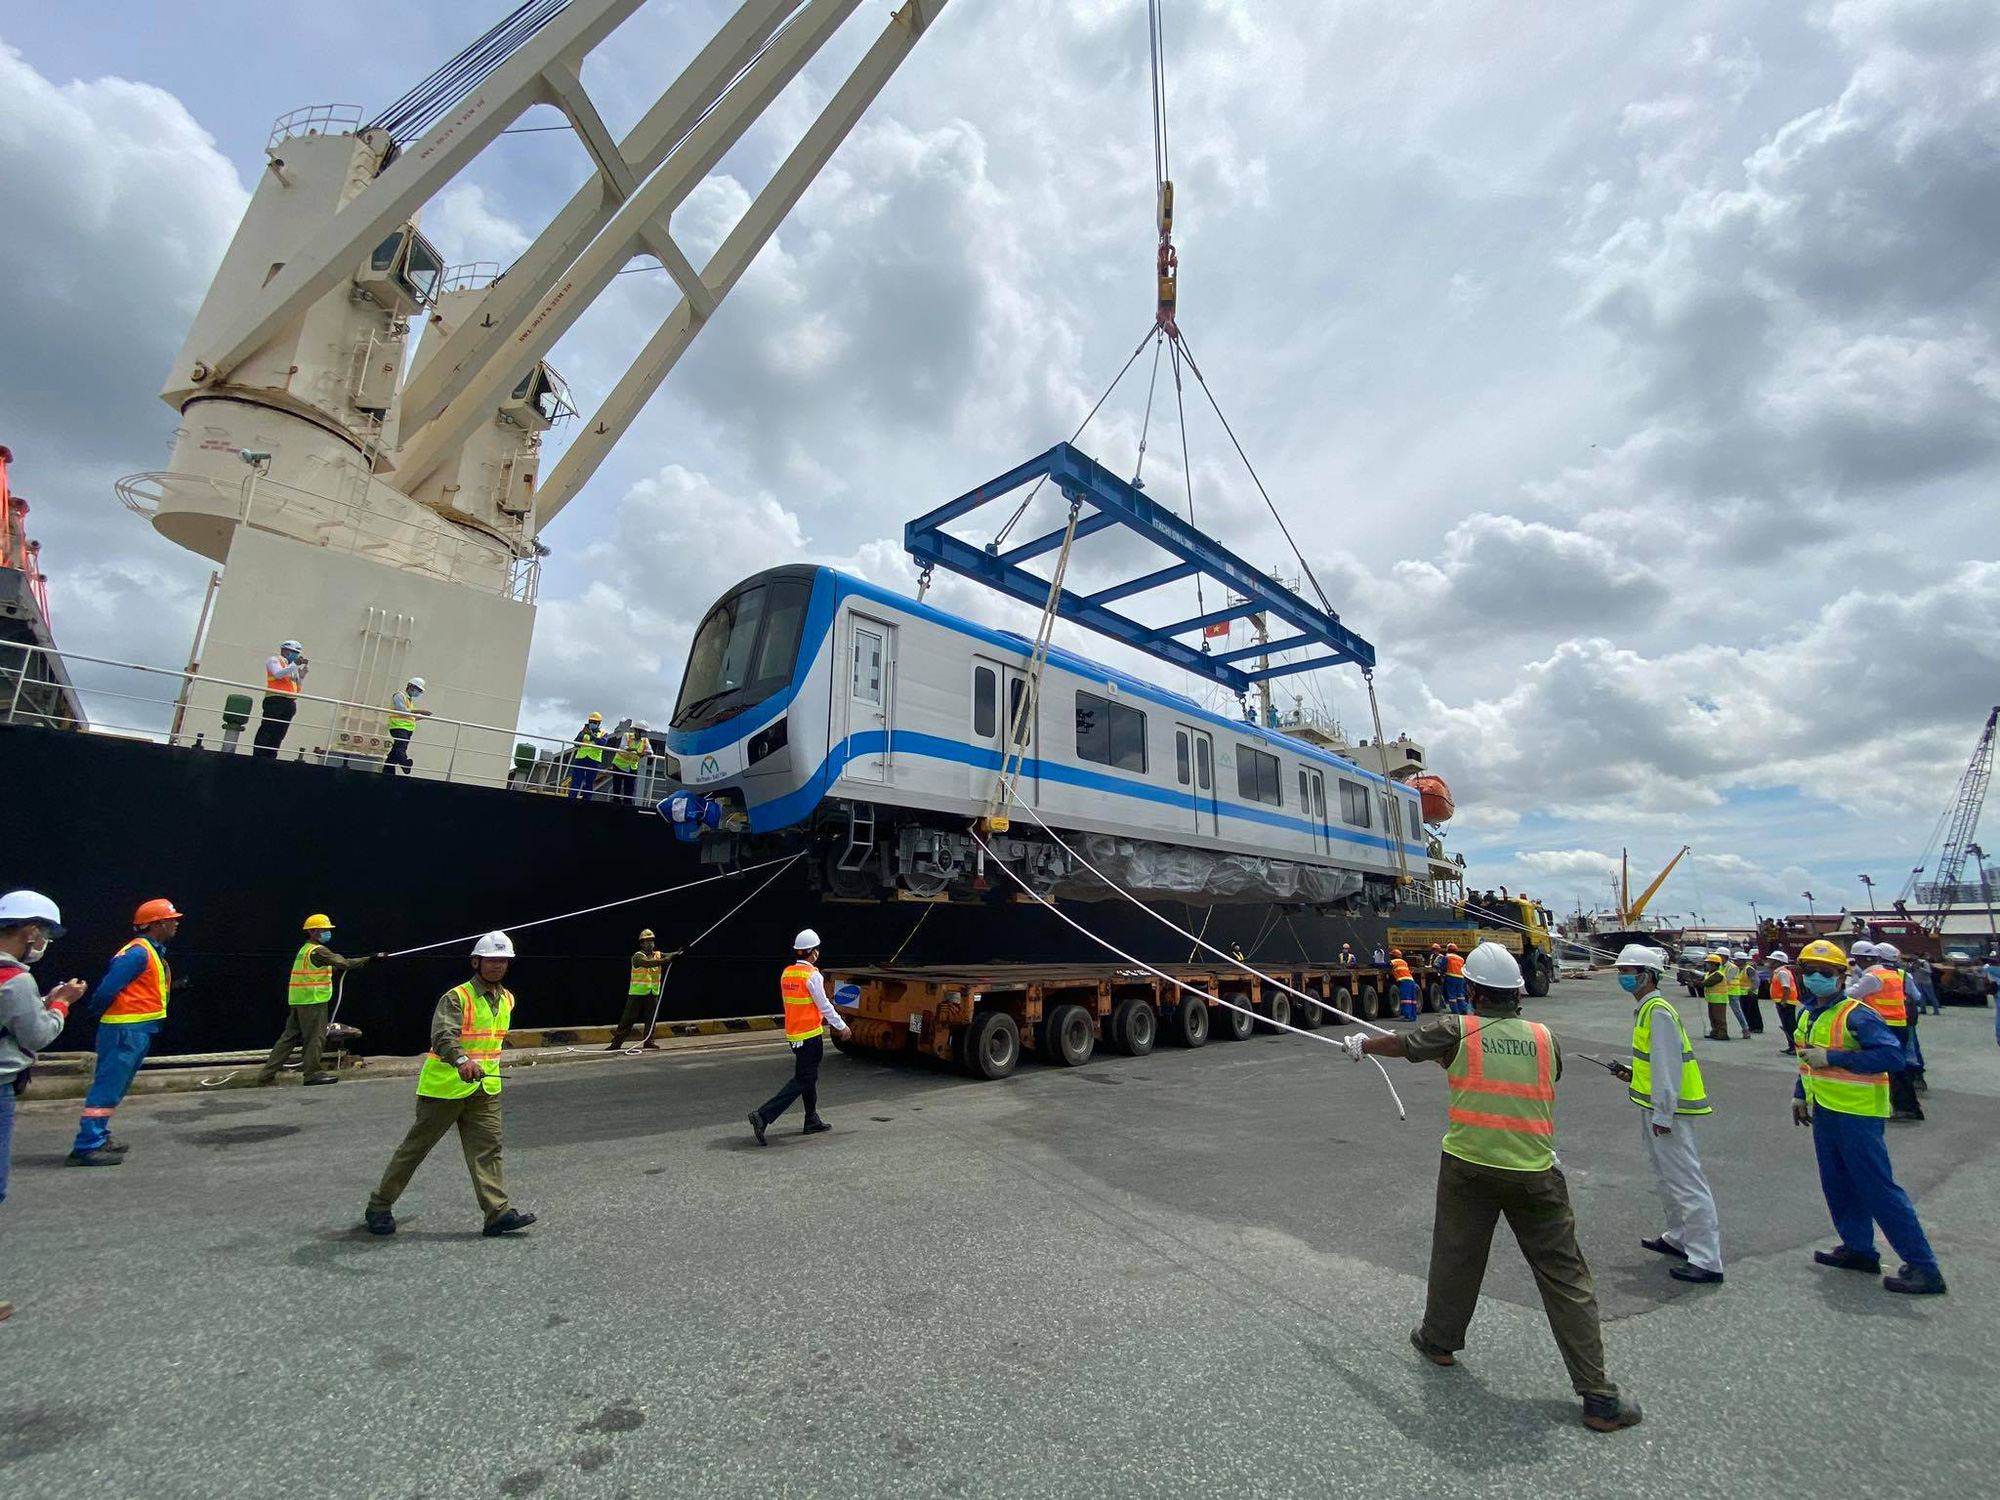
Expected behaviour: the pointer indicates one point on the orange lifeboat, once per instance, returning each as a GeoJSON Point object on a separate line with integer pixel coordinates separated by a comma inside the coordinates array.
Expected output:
{"type": "Point", "coordinates": [1436, 798]}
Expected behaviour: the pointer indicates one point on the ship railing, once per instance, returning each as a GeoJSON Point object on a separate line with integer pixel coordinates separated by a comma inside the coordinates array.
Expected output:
{"type": "Point", "coordinates": [173, 706]}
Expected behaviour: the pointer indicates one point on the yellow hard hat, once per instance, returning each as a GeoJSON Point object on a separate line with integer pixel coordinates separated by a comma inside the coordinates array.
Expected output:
{"type": "Point", "coordinates": [316, 921]}
{"type": "Point", "coordinates": [1716, 958]}
{"type": "Point", "coordinates": [1820, 951]}
{"type": "Point", "coordinates": [593, 717]}
{"type": "Point", "coordinates": [644, 933]}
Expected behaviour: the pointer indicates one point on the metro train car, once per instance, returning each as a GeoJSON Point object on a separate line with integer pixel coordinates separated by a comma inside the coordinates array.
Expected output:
{"type": "Point", "coordinates": [819, 708]}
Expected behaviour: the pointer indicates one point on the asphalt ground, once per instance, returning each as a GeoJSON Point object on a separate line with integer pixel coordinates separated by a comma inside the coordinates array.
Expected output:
{"type": "Point", "coordinates": [1186, 1274]}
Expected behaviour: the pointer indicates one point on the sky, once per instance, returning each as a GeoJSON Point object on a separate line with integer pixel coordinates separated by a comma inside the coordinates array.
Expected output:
{"type": "Point", "coordinates": [1626, 372]}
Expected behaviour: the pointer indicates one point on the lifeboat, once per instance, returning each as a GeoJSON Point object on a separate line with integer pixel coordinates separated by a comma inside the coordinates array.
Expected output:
{"type": "Point", "coordinates": [1436, 798]}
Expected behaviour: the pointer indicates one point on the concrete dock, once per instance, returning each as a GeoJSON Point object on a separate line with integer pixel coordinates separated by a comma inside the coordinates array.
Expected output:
{"type": "Point", "coordinates": [1189, 1274]}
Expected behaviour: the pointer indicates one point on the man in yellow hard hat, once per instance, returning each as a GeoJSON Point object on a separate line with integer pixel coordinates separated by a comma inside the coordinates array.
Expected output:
{"type": "Point", "coordinates": [588, 758]}
{"type": "Point", "coordinates": [1716, 990]}
{"type": "Point", "coordinates": [309, 996]}
{"type": "Point", "coordinates": [642, 992]}
{"type": "Point", "coordinates": [1499, 1158]}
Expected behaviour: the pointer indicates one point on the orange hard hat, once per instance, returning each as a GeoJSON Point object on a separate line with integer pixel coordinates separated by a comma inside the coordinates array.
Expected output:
{"type": "Point", "coordinates": [159, 909]}
{"type": "Point", "coordinates": [1451, 947]}
{"type": "Point", "coordinates": [1395, 953]}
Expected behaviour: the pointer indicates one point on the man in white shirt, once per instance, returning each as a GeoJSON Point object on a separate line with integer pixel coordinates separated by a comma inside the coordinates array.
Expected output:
{"type": "Point", "coordinates": [807, 1015]}
{"type": "Point", "coordinates": [284, 680]}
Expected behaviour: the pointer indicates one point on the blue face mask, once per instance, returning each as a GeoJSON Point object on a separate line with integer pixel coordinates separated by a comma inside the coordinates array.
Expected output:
{"type": "Point", "coordinates": [1629, 983]}
{"type": "Point", "coordinates": [1822, 985]}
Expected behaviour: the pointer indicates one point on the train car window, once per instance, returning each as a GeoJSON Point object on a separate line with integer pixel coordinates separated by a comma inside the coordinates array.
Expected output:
{"type": "Point", "coordinates": [867, 666]}
{"type": "Point", "coordinates": [985, 703]}
{"type": "Point", "coordinates": [1354, 804]}
{"type": "Point", "coordinates": [1305, 792]}
{"type": "Point", "coordinates": [1257, 778]}
{"type": "Point", "coordinates": [1203, 772]}
{"type": "Point", "coordinates": [778, 647]}
{"type": "Point", "coordinates": [1181, 767]}
{"type": "Point", "coordinates": [1110, 734]}
{"type": "Point", "coordinates": [1319, 799]}
{"type": "Point", "coordinates": [1017, 689]}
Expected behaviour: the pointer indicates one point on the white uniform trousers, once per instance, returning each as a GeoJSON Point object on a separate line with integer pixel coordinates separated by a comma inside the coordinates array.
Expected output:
{"type": "Point", "coordinates": [1692, 1223]}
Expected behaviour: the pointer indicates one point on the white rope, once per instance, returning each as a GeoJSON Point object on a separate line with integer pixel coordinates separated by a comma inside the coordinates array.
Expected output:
{"type": "Point", "coordinates": [660, 995]}
{"type": "Point", "coordinates": [1201, 995]}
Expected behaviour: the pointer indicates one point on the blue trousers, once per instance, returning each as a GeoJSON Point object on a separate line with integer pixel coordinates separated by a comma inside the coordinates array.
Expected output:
{"type": "Point", "coordinates": [6, 1130]}
{"type": "Point", "coordinates": [120, 1050]}
{"type": "Point", "coordinates": [1406, 989]}
{"type": "Point", "coordinates": [583, 780]}
{"type": "Point", "coordinates": [1861, 1190]}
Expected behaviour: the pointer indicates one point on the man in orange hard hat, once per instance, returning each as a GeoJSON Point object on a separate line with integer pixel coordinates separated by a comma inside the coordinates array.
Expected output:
{"type": "Point", "coordinates": [1454, 981]}
{"type": "Point", "coordinates": [1406, 983]}
{"type": "Point", "coordinates": [134, 993]}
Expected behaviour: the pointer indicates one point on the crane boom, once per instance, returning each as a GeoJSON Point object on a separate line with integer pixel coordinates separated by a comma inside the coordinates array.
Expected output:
{"type": "Point", "coordinates": [1962, 823]}
{"type": "Point", "coordinates": [1638, 908]}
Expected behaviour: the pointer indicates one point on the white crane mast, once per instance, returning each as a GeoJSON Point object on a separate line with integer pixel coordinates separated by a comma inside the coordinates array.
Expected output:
{"type": "Point", "coordinates": [385, 510]}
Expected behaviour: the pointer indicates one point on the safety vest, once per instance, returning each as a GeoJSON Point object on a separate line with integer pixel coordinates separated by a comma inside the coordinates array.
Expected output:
{"type": "Point", "coordinates": [278, 684]}
{"type": "Point", "coordinates": [482, 1034]}
{"type": "Point", "coordinates": [627, 756]}
{"type": "Point", "coordinates": [645, 977]}
{"type": "Point", "coordinates": [402, 714]}
{"type": "Point", "coordinates": [145, 998]}
{"type": "Point", "coordinates": [1888, 1002]}
{"type": "Point", "coordinates": [590, 748]}
{"type": "Point", "coordinates": [1399, 969]}
{"type": "Point", "coordinates": [1454, 966]}
{"type": "Point", "coordinates": [1836, 1088]}
{"type": "Point", "coordinates": [310, 984]}
{"type": "Point", "coordinates": [802, 1019]}
{"type": "Point", "coordinates": [1503, 1095]}
{"type": "Point", "coordinates": [1715, 982]}
{"type": "Point", "coordinates": [1694, 1098]}
{"type": "Point", "coordinates": [1732, 981]}
{"type": "Point", "coordinates": [1784, 986]}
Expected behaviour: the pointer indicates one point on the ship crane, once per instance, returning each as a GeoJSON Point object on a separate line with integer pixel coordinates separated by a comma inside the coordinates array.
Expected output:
{"type": "Point", "coordinates": [1961, 823]}
{"type": "Point", "coordinates": [386, 508]}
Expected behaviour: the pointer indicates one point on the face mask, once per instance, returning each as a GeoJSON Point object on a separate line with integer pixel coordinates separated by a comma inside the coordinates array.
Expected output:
{"type": "Point", "coordinates": [1629, 983]}
{"type": "Point", "coordinates": [37, 949]}
{"type": "Point", "coordinates": [1822, 985]}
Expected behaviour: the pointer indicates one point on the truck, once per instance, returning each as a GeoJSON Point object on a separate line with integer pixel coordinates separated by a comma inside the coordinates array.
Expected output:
{"type": "Point", "coordinates": [1519, 924]}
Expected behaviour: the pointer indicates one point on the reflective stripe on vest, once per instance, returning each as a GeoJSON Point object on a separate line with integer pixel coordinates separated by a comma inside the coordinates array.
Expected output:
{"type": "Point", "coordinates": [1889, 1002]}
{"type": "Point", "coordinates": [1503, 1095]}
{"type": "Point", "coordinates": [482, 1033]}
{"type": "Point", "coordinates": [645, 978]}
{"type": "Point", "coordinates": [590, 749]}
{"type": "Point", "coordinates": [1399, 969]}
{"type": "Point", "coordinates": [627, 756]}
{"type": "Point", "coordinates": [278, 684]}
{"type": "Point", "coordinates": [1694, 1097]}
{"type": "Point", "coordinates": [1784, 988]}
{"type": "Point", "coordinates": [1836, 1088]}
{"type": "Point", "coordinates": [310, 984]}
{"type": "Point", "coordinates": [802, 1018]}
{"type": "Point", "coordinates": [145, 998]}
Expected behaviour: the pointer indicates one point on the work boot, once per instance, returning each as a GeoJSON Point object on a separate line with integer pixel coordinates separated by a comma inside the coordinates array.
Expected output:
{"type": "Point", "coordinates": [757, 1124]}
{"type": "Point", "coordinates": [617, 1045]}
{"type": "Point", "coordinates": [1844, 1259]}
{"type": "Point", "coordinates": [509, 1221]}
{"type": "Point", "coordinates": [379, 1221]}
{"type": "Point", "coordinates": [1437, 1354]}
{"type": "Point", "coordinates": [1907, 1117]}
{"type": "Point", "coordinates": [319, 1078]}
{"type": "Point", "coordinates": [114, 1147]}
{"type": "Point", "coordinates": [1699, 1275]}
{"type": "Point", "coordinates": [1609, 1413]}
{"type": "Point", "coordinates": [814, 1127]}
{"type": "Point", "coordinates": [1928, 1282]}
{"type": "Point", "coordinates": [1664, 1246]}
{"type": "Point", "coordinates": [649, 1046]}
{"type": "Point", "coordinates": [97, 1158]}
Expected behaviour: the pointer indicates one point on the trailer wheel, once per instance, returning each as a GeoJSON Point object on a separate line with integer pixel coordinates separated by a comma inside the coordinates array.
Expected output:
{"type": "Point", "coordinates": [1233, 1025]}
{"type": "Point", "coordinates": [1069, 1036]}
{"type": "Point", "coordinates": [1189, 1024]}
{"type": "Point", "coordinates": [992, 1045]}
{"type": "Point", "coordinates": [1343, 1000]}
{"type": "Point", "coordinates": [1278, 1009]}
{"type": "Point", "coordinates": [1370, 1001]}
{"type": "Point", "coordinates": [1305, 1014]}
{"type": "Point", "coordinates": [1434, 996]}
{"type": "Point", "coordinates": [1134, 1026]}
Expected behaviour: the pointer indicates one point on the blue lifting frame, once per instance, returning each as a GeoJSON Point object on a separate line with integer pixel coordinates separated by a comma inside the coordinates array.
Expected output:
{"type": "Point", "coordinates": [1103, 501]}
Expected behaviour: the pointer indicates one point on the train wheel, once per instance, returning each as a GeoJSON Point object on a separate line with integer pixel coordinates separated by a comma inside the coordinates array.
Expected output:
{"type": "Point", "coordinates": [992, 1045]}
{"type": "Point", "coordinates": [1370, 1001]}
{"type": "Point", "coordinates": [1135, 1026]}
{"type": "Point", "coordinates": [1234, 1025]}
{"type": "Point", "coordinates": [1343, 999]}
{"type": "Point", "coordinates": [1189, 1025]}
{"type": "Point", "coordinates": [1069, 1034]}
{"type": "Point", "coordinates": [1278, 1009]}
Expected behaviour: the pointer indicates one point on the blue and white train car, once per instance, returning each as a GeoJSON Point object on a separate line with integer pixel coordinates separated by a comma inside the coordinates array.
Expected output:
{"type": "Point", "coordinates": [815, 703]}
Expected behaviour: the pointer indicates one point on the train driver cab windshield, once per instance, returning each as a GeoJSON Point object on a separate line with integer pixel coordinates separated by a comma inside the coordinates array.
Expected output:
{"type": "Point", "coordinates": [745, 649]}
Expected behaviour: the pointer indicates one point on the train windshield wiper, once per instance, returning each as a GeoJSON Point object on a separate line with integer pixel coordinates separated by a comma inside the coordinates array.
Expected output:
{"type": "Point", "coordinates": [700, 703]}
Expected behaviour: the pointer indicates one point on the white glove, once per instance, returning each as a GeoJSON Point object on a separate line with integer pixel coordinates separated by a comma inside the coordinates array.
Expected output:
{"type": "Point", "coordinates": [1352, 1044]}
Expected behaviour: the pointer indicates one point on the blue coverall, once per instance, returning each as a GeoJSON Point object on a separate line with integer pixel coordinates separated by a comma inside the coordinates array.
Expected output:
{"type": "Point", "coordinates": [1854, 1173]}
{"type": "Point", "coordinates": [120, 1049]}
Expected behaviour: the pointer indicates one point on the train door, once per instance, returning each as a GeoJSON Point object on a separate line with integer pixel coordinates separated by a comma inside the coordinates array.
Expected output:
{"type": "Point", "coordinates": [1194, 773]}
{"type": "Point", "coordinates": [993, 719]}
{"type": "Point", "coordinates": [1028, 783]}
{"type": "Point", "coordinates": [871, 698]}
{"type": "Point", "coordinates": [1312, 805]}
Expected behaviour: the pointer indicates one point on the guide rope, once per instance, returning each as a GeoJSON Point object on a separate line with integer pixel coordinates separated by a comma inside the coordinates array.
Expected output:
{"type": "Point", "coordinates": [660, 995]}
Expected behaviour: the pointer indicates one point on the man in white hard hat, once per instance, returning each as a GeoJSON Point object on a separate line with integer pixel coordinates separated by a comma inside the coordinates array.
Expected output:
{"type": "Point", "coordinates": [1738, 970]}
{"type": "Point", "coordinates": [284, 680]}
{"type": "Point", "coordinates": [29, 1020]}
{"type": "Point", "coordinates": [633, 748]}
{"type": "Point", "coordinates": [1499, 1158]}
{"type": "Point", "coordinates": [1880, 987]}
{"type": "Point", "coordinates": [807, 1015]}
{"type": "Point", "coordinates": [403, 716]}
{"type": "Point", "coordinates": [460, 1085]}
{"type": "Point", "coordinates": [1785, 995]}
{"type": "Point", "coordinates": [1753, 981]}
{"type": "Point", "coordinates": [1665, 1082]}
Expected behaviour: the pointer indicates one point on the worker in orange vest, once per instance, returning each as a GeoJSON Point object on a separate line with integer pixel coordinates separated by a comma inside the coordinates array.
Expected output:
{"type": "Point", "coordinates": [134, 991]}
{"type": "Point", "coordinates": [1785, 995]}
{"type": "Point", "coordinates": [807, 1015]}
{"type": "Point", "coordinates": [1454, 980]}
{"type": "Point", "coordinates": [284, 680]}
{"type": "Point", "coordinates": [1499, 1158]}
{"type": "Point", "coordinates": [1406, 984]}
{"type": "Point", "coordinates": [1880, 988]}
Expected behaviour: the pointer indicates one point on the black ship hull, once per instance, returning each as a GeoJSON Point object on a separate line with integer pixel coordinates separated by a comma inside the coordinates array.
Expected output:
{"type": "Point", "coordinates": [248, 847]}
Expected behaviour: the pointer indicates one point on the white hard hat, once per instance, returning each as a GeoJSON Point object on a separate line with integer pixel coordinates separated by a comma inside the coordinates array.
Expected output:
{"type": "Point", "coordinates": [1493, 966]}
{"type": "Point", "coordinates": [1780, 956]}
{"type": "Point", "coordinates": [494, 945]}
{"type": "Point", "coordinates": [1739, 953]}
{"type": "Point", "coordinates": [417, 683]}
{"type": "Point", "coordinates": [1639, 956]}
{"type": "Point", "coordinates": [30, 906]}
{"type": "Point", "coordinates": [1888, 950]}
{"type": "Point", "coordinates": [1862, 949]}
{"type": "Point", "coordinates": [290, 646]}
{"type": "Point", "coordinates": [640, 725]}
{"type": "Point", "coordinates": [805, 941]}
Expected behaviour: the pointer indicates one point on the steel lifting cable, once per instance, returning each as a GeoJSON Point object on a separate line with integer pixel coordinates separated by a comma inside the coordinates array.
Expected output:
{"type": "Point", "coordinates": [1023, 715]}
{"type": "Point", "coordinates": [1202, 995]}
{"type": "Point", "coordinates": [1146, 426]}
{"type": "Point", "coordinates": [1187, 473]}
{"type": "Point", "coordinates": [660, 995]}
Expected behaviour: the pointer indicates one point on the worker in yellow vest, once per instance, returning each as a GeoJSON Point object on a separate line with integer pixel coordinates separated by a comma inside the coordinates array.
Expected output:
{"type": "Point", "coordinates": [403, 716]}
{"type": "Point", "coordinates": [646, 970]}
{"type": "Point", "coordinates": [1880, 988]}
{"type": "Point", "coordinates": [308, 997]}
{"type": "Point", "coordinates": [632, 748]}
{"type": "Point", "coordinates": [588, 758]}
{"type": "Point", "coordinates": [807, 1015]}
{"type": "Point", "coordinates": [1715, 990]}
{"type": "Point", "coordinates": [1665, 1082]}
{"type": "Point", "coordinates": [134, 992]}
{"type": "Point", "coordinates": [1846, 1055]}
{"type": "Point", "coordinates": [1499, 1158]}
{"type": "Point", "coordinates": [460, 1085]}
